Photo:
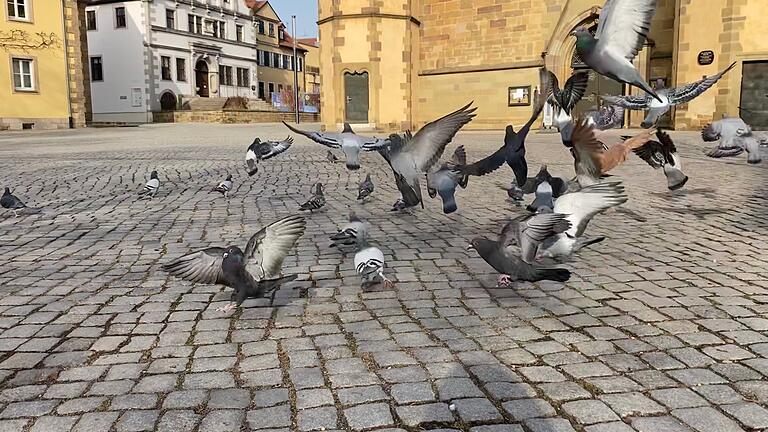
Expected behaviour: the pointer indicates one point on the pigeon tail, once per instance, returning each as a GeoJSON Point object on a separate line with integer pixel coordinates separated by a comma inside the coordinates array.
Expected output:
{"type": "Point", "coordinates": [552, 274]}
{"type": "Point", "coordinates": [676, 179]}
{"type": "Point", "coordinates": [584, 242]}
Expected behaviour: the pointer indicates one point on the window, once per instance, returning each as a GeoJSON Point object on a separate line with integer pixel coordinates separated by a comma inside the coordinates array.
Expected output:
{"type": "Point", "coordinates": [181, 69]}
{"type": "Point", "coordinates": [225, 75]}
{"type": "Point", "coordinates": [286, 62]}
{"type": "Point", "coordinates": [18, 10]}
{"type": "Point", "coordinates": [267, 57]}
{"type": "Point", "coordinates": [261, 90]}
{"type": "Point", "coordinates": [170, 18]}
{"type": "Point", "coordinates": [90, 20]}
{"type": "Point", "coordinates": [239, 32]}
{"type": "Point", "coordinates": [271, 88]}
{"type": "Point", "coordinates": [280, 88]}
{"type": "Point", "coordinates": [23, 74]}
{"type": "Point", "coordinates": [243, 77]}
{"type": "Point", "coordinates": [165, 68]}
{"type": "Point", "coordinates": [301, 64]}
{"type": "Point", "coordinates": [281, 34]}
{"type": "Point", "coordinates": [195, 24]}
{"type": "Point", "coordinates": [97, 71]}
{"type": "Point", "coordinates": [275, 60]}
{"type": "Point", "coordinates": [260, 25]}
{"type": "Point", "coordinates": [119, 17]}
{"type": "Point", "coordinates": [271, 29]}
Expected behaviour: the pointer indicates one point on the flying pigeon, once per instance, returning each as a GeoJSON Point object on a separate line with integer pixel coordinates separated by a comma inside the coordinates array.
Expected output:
{"type": "Point", "coordinates": [443, 181]}
{"type": "Point", "coordinates": [663, 154]}
{"type": "Point", "coordinates": [512, 267]}
{"type": "Point", "coordinates": [735, 137]}
{"type": "Point", "coordinates": [574, 89]}
{"type": "Point", "coordinates": [14, 204]}
{"type": "Point", "coordinates": [621, 33]}
{"type": "Point", "coordinates": [669, 98]}
{"type": "Point", "coordinates": [316, 201]}
{"type": "Point", "coordinates": [260, 151]}
{"type": "Point", "coordinates": [558, 185]}
{"type": "Point", "coordinates": [592, 160]}
{"type": "Point", "coordinates": [412, 156]}
{"type": "Point", "coordinates": [348, 234]}
{"type": "Point", "coordinates": [529, 231]}
{"type": "Point", "coordinates": [365, 189]}
{"type": "Point", "coordinates": [251, 273]}
{"type": "Point", "coordinates": [150, 189]}
{"type": "Point", "coordinates": [348, 141]}
{"type": "Point", "coordinates": [606, 117]}
{"type": "Point", "coordinates": [580, 207]}
{"type": "Point", "coordinates": [224, 186]}
{"type": "Point", "coordinates": [331, 157]}
{"type": "Point", "coordinates": [369, 264]}
{"type": "Point", "coordinates": [408, 196]}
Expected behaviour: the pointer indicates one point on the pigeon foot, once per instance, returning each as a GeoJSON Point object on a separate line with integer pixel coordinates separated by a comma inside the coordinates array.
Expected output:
{"type": "Point", "coordinates": [229, 307]}
{"type": "Point", "coordinates": [505, 281]}
{"type": "Point", "coordinates": [388, 284]}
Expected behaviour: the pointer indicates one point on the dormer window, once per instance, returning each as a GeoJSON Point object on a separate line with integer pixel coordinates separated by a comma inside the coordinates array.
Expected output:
{"type": "Point", "coordinates": [281, 34]}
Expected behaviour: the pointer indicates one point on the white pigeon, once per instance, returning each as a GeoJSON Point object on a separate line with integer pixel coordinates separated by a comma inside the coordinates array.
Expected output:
{"type": "Point", "coordinates": [580, 207]}
{"type": "Point", "coordinates": [735, 137]}
{"type": "Point", "coordinates": [224, 187]}
{"type": "Point", "coordinates": [348, 234]}
{"type": "Point", "coordinates": [369, 264]}
{"type": "Point", "coordinates": [150, 189]}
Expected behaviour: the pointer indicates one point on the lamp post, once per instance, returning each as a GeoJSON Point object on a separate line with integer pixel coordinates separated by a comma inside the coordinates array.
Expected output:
{"type": "Point", "coordinates": [295, 70]}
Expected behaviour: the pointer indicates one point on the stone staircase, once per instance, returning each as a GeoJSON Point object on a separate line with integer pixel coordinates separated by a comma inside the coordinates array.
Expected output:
{"type": "Point", "coordinates": [197, 103]}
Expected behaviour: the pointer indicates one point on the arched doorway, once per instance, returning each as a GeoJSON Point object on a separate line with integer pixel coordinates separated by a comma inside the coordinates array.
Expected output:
{"type": "Point", "coordinates": [168, 101]}
{"type": "Point", "coordinates": [201, 78]}
{"type": "Point", "coordinates": [356, 97]}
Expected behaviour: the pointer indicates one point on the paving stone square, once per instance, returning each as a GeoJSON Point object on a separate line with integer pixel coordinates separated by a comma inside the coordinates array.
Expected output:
{"type": "Point", "coordinates": [660, 328]}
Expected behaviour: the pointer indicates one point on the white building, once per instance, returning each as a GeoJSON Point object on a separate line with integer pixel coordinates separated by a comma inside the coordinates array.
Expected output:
{"type": "Point", "coordinates": [145, 54]}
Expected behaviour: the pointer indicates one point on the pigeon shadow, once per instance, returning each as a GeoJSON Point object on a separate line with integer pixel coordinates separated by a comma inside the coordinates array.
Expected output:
{"type": "Point", "coordinates": [699, 212]}
{"type": "Point", "coordinates": [672, 195]}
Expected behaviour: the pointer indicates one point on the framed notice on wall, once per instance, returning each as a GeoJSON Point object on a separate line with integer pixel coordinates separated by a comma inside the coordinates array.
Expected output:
{"type": "Point", "coordinates": [520, 96]}
{"type": "Point", "coordinates": [137, 97]}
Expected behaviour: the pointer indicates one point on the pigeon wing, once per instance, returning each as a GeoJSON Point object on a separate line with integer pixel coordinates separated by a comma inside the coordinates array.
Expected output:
{"type": "Point", "coordinates": [428, 144]}
{"type": "Point", "coordinates": [316, 137]}
{"type": "Point", "coordinates": [267, 249]}
{"type": "Point", "coordinates": [617, 154]}
{"type": "Point", "coordinates": [688, 92]}
{"type": "Point", "coordinates": [537, 229]}
{"type": "Point", "coordinates": [587, 149]}
{"type": "Point", "coordinates": [574, 90]}
{"type": "Point", "coordinates": [580, 207]}
{"type": "Point", "coordinates": [624, 26]}
{"type": "Point", "coordinates": [632, 102]}
{"type": "Point", "coordinates": [203, 266]}
{"type": "Point", "coordinates": [278, 147]}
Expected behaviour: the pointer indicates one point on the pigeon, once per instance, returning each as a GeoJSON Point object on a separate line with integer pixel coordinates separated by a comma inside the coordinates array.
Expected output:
{"type": "Point", "coordinates": [347, 235]}
{"type": "Point", "coordinates": [606, 117]}
{"type": "Point", "coordinates": [592, 160]}
{"type": "Point", "coordinates": [369, 264]}
{"type": "Point", "coordinates": [150, 189]}
{"type": "Point", "coordinates": [735, 137]}
{"type": "Point", "coordinates": [412, 156]}
{"type": "Point", "coordinates": [543, 202]}
{"type": "Point", "coordinates": [445, 179]}
{"type": "Point", "coordinates": [514, 192]}
{"type": "Point", "coordinates": [224, 186]}
{"type": "Point", "coordinates": [669, 98]}
{"type": "Point", "coordinates": [14, 204]}
{"type": "Point", "coordinates": [621, 33]}
{"type": "Point", "coordinates": [331, 157]}
{"type": "Point", "coordinates": [663, 154]}
{"type": "Point", "coordinates": [316, 201]}
{"type": "Point", "coordinates": [365, 189]}
{"type": "Point", "coordinates": [260, 151]}
{"type": "Point", "coordinates": [574, 89]}
{"type": "Point", "coordinates": [558, 185]}
{"type": "Point", "coordinates": [513, 150]}
{"type": "Point", "coordinates": [580, 207]}
{"type": "Point", "coordinates": [512, 267]}
{"type": "Point", "coordinates": [250, 274]}
{"type": "Point", "coordinates": [529, 231]}
{"type": "Point", "coordinates": [348, 141]}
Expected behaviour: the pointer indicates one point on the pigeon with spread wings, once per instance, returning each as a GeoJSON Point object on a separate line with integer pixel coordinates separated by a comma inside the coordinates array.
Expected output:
{"type": "Point", "coordinates": [260, 151]}
{"type": "Point", "coordinates": [443, 182]}
{"type": "Point", "coordinates": [529, 231]}
{"type": "Point", "coordinates": [251, 273]}
{"type": "Point", "coordinates": [663, 154]}
{"type": "Point", "coordinates": [348, 141]}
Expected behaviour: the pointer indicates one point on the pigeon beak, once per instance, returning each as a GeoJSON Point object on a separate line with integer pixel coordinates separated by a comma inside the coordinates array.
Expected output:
{"type": "Point", "coordinates": [470, 247]}
{"type": "Point", "coordinates": [225, 255]}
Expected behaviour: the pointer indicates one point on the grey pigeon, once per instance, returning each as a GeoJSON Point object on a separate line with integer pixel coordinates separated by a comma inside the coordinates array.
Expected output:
{"type": "Point", "coordinates": [365, 189]}
{"type": "Point", "coordinates": [348, 141]}
{"type": "Point", "coordinates": [252, 273]}
{"type": "Point", "coordinates": [663, 154]}
{"type": "Point", "coordinates": [370, 265]}
{"type": "Point", "coordinates": [621, 33]}
{"type": "Point", "coordinates": [669, 98]}
{"type": "Point", "coordinates": [224, 186]}
{"type": "Point", "coordinates": [514, 192]}
{"type": "Point", "coordinates": [331, 157]}
{"type": "Point", "coordinates": [544, 199]}
{"type": "Point", "coordinates": [412, 156]}
{"type": "Point", "coordinates": [559, 186]}
{"type": "Point", "coordinates": [443, 181]}
{"type": "Point", "coordinates": [565, 99]}
{"type": "Point", "coordinates": [316, 201]}
{"type": "Point", "coordinates": [150, 189]}
{"type": "Point", "coordinates": [14, 204]}
{"type": "Point", "coordinates": [348, 234]}
{"type": "Point", "coordinates": [512, 268]}
{"type": "Point", "coordinates": [529, 231]}
{"type": "Point", "coordinates": [260, 151]}
{"type": "Point", "coordinates": [734, 137]}
{"type": "Point", "coordinates": [580, 207]}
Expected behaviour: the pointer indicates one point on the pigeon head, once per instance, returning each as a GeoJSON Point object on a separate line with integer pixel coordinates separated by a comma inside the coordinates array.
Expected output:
{"type": "Point", "coordinates": [233, 258]}
{"type": "Point", "coordinates": [584, 38]}
{"type": "Point", "coordinates": [229, 177]}
{"type": "Point", "coordinates": [480, 245]}
{"type": "Point", "coordinates": [7, 191]}
{"type": "Point", "coordinates": [399, 205]}
{"type": "Point", "coordinates": [319, 189]}
{"type": "Point", "coordinates": [153, 175]}
{"type": "Point", "coordinates": [353, 217]}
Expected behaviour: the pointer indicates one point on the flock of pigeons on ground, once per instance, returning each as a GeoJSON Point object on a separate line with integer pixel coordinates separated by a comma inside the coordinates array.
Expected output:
{"type": "Point", "coordinates": [556, 219]}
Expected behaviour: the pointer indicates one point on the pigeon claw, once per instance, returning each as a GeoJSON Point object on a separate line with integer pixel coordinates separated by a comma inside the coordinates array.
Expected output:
{"type": "Point", "coordinates": [505, 281]}
{"type": "Point", "coordinates": [388, 284]}
{"type": "Point", "coordinates": [228, 308]}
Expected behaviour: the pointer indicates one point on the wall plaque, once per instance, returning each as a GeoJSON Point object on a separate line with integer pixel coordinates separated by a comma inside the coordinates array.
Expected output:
{"type": "Point", "coordinates": [706, 57]}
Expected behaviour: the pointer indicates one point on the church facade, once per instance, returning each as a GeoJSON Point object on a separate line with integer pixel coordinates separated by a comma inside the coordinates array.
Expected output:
{"type": "Point", "coordinates": [397, 64]}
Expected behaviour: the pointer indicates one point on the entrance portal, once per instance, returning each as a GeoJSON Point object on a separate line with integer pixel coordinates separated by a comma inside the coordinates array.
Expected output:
{"type": "Point", "coordinates": [356, 94]}
{"type": "Point", "coordinates": [201, 78]}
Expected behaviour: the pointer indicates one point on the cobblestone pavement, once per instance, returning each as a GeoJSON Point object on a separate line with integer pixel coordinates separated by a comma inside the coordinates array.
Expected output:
{"type": "Point", "coordinates": [662, 327]}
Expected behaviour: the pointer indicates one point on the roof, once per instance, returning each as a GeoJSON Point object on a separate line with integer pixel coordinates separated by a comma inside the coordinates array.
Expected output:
{"type": "Point", "coordinates": [308, 41]}
{"type": "Point", "coordinates": [288, 42]}
{"type": "Point", "coordinates": [255, 4]}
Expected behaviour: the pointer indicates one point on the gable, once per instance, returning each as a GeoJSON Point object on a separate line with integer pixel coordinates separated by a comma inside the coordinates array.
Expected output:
{"type": "Point", "coordinates": [266, 12]}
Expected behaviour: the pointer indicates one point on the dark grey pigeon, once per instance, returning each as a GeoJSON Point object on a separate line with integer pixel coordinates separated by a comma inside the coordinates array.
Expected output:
{"type": "Point", "coordinates": [260, 151]}
{"type": "Point", "coordinates": [512, 268]}
{"type": "Point", "coordinates": [559, 186]}
{"type": "Point", "coordinates": [316, 201]}
{"type": "Point", "coordinates": [663, 154]}
{"type": "Point", "coordinates": [669, 98]}
{"type": "Point", "coordinates": [252, 273]}
{"type": "Point", "coordinates": [348, 141]}
{"type": "Point", "coordinates": [566, 98]}
{"type": "Point", "coordinates": [14, 204]}
{"type": "Point", "coordinates": [365, 189]}
{"type": "Point", "coordinates": [621, 33]}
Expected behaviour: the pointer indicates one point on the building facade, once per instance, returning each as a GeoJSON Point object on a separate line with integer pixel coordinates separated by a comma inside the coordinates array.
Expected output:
{"type": "Point", "coordinates": [148, 56]}
{"type": "Point", "coordinates": [312, 69]}
{"type": "Point", "coordinates": [43, 85]}
{"type": "Point", "coordinates": [423, 58]}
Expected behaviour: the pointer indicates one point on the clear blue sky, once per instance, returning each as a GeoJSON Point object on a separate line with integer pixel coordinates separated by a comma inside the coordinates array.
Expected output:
{"type": "Point", "coordinates": [306, 15]}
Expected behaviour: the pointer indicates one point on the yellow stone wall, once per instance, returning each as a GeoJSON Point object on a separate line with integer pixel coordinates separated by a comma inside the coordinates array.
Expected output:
{"type": "Point", "coordinates": [48, 105]}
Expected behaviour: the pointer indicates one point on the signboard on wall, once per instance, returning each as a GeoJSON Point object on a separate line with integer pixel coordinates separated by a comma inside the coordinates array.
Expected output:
{"type": "Point", "coordinates": [706, 57]}
{"type": "Point", "coordinates": [137, 97]}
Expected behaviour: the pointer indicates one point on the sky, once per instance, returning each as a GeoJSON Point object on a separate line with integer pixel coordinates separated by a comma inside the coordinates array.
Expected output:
{"type": "Point", "coordinates": [306, 15]}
